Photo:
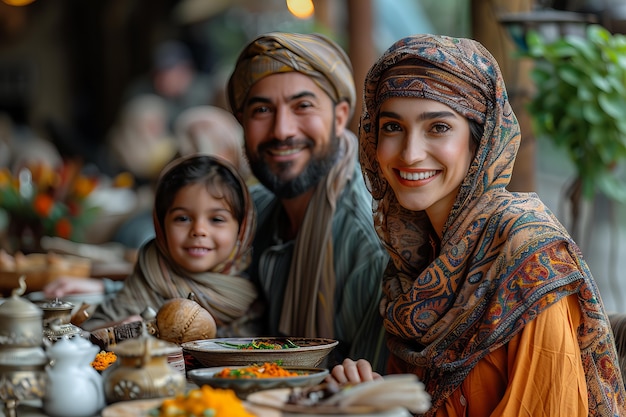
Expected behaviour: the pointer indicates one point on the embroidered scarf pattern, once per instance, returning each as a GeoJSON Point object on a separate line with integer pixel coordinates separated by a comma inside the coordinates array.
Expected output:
{"type": "Point", "coordinates": [503, 257]}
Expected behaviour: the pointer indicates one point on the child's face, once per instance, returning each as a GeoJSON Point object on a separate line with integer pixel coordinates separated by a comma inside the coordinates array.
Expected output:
{"type": "Point", "coordinates": [200, 229]}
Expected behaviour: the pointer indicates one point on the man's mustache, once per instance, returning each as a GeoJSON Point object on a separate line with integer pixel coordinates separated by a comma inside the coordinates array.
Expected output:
{"type": "Point", "coordinates": [287, 143]}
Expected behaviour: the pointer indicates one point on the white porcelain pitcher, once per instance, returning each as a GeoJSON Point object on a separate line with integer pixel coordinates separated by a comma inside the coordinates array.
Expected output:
{"type": "Point", "coordinates": [75, 388]}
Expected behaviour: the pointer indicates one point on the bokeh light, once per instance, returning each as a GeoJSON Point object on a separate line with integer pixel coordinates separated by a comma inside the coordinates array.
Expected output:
{"type": "Point", "coordinates": [302, 9]}
{"type": "Point", "coordinates": [18, 2]}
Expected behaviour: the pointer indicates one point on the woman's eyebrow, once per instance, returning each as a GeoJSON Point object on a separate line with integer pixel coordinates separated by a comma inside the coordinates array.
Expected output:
{"type": "Point", "coordinates": [423, 116]}
{"type": "Point", "coordinates": [437, 115]}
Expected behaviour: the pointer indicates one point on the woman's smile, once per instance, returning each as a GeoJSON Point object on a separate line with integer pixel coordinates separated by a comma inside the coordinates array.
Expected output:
{"type": "Point", "coordinates": [411, 176]}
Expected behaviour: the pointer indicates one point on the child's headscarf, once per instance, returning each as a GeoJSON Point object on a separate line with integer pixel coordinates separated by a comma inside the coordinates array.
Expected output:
{"type": "Point", "coordinates": [225, 291]}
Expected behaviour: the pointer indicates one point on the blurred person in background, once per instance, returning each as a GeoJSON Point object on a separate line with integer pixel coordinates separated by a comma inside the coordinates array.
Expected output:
{"type": "Point", "coordinates": [141, 141]}
{"type": "Point", "coordinates": [213, 131]}
{"type": "Point", "coordinates": [175, 78]}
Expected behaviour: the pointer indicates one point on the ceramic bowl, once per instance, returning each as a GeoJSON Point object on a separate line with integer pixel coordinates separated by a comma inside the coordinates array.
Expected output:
{"type": "Point", "coordinates": [310, 352]}
{"type": "Point", "coordinates": [244, 386]}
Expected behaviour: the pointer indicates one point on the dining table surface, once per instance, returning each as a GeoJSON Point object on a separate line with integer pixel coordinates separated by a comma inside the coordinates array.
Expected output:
{"type": "Point", "coordinates": [141, 408]}
{"type": "Point", "coordinates": [33, 408]}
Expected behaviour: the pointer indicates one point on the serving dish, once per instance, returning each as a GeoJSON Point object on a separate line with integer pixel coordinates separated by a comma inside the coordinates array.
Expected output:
{"type": "Point", "coordinates": [245, 386]}
{"type": "Point", "coordinates": [277, 399]}
{"type": "Point", "coordinates": [392, 393]}
{"type": "Point", "coordinates": [309, 352]}
{"type": "Point", "coordinates": [144, 408]}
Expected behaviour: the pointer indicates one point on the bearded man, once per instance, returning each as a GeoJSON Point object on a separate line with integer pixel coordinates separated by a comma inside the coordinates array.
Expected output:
{"type": "Point", "coordinates": [316, 256]}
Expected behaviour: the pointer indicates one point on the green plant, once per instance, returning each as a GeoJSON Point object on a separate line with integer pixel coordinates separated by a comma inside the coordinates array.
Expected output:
{"type": "Point", "coordinates": [580, 104]}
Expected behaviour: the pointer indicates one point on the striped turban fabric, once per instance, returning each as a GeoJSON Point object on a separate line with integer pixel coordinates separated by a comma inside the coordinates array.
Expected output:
{"type": "Point", "coordinates": [313, 55]}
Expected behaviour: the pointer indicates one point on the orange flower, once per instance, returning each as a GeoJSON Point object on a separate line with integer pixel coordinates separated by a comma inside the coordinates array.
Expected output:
{"type": "Point", "coordinates": [42, 204]}
{"type": "Point", "coordinates": [51, 200]}
{"type": "Point", "coordinates": [43, 175]}
{"type": "Point", "coordinates": [63, 228]}
{"type": "Point", "coordinates": [74, 208]}
{"type": "Point", "coordinates": [123, 180]}
{"type": "Point", "coordinates": [103, 360]}
{"type": "Point", "coordinates": [83, 186]}
{"type": "Point", "coordinates": [5, 177]}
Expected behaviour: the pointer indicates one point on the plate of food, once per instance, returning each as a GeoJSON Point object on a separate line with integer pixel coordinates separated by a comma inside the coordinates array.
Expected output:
{"type": "Point", "coordinates": [244, 380]}
{"type": "Point", "coordinates": [213, 402]}
{"type": "Point", "coordinates": [394, 395]}
{"type": "Point", "coordinates": [294, 351]}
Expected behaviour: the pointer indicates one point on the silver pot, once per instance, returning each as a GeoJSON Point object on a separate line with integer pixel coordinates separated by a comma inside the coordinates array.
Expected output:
{"type": "Point", "coordinates": [23, 360]}
{"type": "Point", "coordinates": [56, 311]}
{"type": "Point", "coordinates": [20, 321]}
{"type": "Point", "coordinates": [56, 320]}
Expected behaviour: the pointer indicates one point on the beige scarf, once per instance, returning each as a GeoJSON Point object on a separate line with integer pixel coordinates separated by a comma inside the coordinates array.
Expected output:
{"type": "Point", "coordinates": [308, 305]}
{"type": "Point", "coordinates": [226, 297]}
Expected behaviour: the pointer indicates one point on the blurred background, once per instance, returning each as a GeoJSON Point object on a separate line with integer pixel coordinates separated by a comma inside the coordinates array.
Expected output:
{"type": "Point", "coordinates": [97, 87]}
{"type": "Point", "coordinates": [68, 66]}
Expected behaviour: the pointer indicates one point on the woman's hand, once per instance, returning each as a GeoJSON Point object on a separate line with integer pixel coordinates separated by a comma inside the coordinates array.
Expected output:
{"type": "Point", "coordinates": [352, 372]}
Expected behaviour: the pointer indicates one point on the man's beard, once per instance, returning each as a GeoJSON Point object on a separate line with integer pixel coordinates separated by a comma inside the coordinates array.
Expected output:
{"type": "Point", "coordinates": [317, 168]}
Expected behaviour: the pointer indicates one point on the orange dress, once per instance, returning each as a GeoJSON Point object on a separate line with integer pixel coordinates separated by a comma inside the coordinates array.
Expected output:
{"type": "Point", "coordinates": [539, 373]}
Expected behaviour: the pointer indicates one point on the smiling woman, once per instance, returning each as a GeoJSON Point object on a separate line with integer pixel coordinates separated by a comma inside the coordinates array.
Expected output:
{"type": "Point", "coordinates": [477, 273]}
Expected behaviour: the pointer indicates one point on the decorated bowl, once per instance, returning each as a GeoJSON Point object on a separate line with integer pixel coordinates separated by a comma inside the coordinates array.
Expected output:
{"type": "Point", "coordinates": [295, 351]}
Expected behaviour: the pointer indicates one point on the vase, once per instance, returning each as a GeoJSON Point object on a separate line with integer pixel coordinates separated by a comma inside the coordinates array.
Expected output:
{"type": "Point", "coordinates": [24, 235]}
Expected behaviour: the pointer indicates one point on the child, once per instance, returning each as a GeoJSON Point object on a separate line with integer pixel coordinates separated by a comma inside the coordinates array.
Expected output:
{"type": "Point", "coordinates": [204, 222]}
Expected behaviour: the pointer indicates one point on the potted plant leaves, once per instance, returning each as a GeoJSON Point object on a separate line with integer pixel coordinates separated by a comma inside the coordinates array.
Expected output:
{"type": "Point", "coordinates": [580, 105]}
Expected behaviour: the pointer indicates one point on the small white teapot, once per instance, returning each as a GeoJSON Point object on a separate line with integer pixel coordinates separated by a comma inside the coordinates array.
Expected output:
{"type": "Point", "coordinates": [74, 388]}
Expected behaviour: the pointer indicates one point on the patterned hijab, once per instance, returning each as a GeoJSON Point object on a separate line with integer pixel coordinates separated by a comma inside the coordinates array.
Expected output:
{"type": "Point", "coordinates": [503, 257]}
{"type": "Point", "coordinates": [308, 304]}
{"type": "Point", "coordinates": [224, 291]}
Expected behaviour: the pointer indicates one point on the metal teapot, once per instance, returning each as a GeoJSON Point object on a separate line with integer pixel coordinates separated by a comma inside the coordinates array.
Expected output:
{"type": "Point", "coordinates": [23, 360]}
{"type": "Point", "coordinates": [142, 370]}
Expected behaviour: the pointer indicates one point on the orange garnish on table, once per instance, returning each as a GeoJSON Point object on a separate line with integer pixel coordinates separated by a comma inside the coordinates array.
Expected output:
{"type": "Point", "coordinates": [103, 360]}
{"type": "Point", "coordinates": [266, 370]}
{"type": "Point", "coordinates": [203, 401]}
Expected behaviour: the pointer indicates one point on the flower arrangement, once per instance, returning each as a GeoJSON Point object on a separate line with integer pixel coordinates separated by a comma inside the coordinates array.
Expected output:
{"type": "Point", "coordinates": [44, 201]}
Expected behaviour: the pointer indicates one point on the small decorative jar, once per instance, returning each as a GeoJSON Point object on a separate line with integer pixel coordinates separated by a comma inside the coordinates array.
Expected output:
{"type": "Point", "coordinates": [142, 370]}
{"type": "Point", "coordinates": [56, 320]}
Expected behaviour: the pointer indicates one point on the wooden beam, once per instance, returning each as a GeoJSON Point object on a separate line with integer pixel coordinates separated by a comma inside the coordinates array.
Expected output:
{"type": "Point", "coordinates": [487, 30]}
{"type": "Point", "coordinates": [361, 48]}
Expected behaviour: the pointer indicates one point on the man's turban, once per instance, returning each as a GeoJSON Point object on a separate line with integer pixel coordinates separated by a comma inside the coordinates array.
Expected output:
{"type": "Point", "coordinates": [310, 54]}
